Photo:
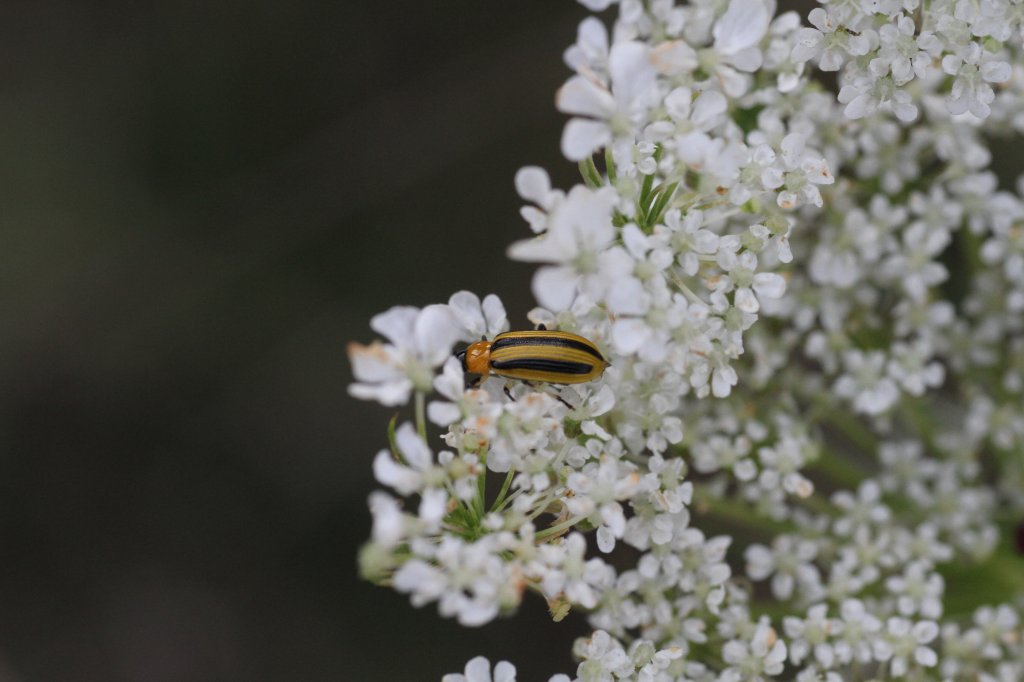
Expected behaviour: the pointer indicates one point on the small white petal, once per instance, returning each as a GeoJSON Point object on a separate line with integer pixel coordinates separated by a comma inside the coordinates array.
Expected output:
{"type": "Point", "coordinates": [583, 97]}
{"type": "Point", "coordinates": [396, 324]}
{"type": "Point", "coordinates": [673, 57]}
{"type": "Point", "coordinates": [859, 106]}
{"type": "Point", "coordinates": [631, 71]}
{"type": "Point", "coordinates": [389, 394]}
{"type": "Point", "coordinates": [733, 82]}
{"type": "Point", "coordinates": [583, 137]}
{"type": "Point", "coordinates": [746, 301]}
{"type": "Point", "coordinates": [743, 25]}
{"type": "Point", "coordinates": [432, 505]}
{"type": "Point", "coordinates": [533, 184]}
{"type": "Point", "coordinates": [925, 656]}
{"type": "Point", "coordinates": [603, 401]}
{"type": "Point", "coordinates": [478, 670]}
{"type": "Point", "coordinates": [722, 381]}
{"type": "Point", "coordinates": [374, 363]}
{"type": "Point", "coordinates": [996, 72]}
{"type": "Point", "coordinates": [412, 447]}
{"type": "Point", "coordinates": [748, 60]}
{"type": "Point", "coordinates": [443, 414]}
{"type": "Point", "coordinates": [390, 473]}
{"type": "Point", "coordinates": [555, 287]}
{"type": "Point", "coordinates": [504, 672]}
{"type": "Point", "coordinates": [465, 305]}
{"type": "Point", "coordinates": [537, 250]}
{"type": "Point", "coordinates": [709, 107]}
{"type": "Point", "coordinates": [634, 240]}
{"type": "Point", "coordinates": [629, 334]}
{"type": "Point", "coordinates": [769, 284]}
{"type": "Point", "coordinates": [436, 331]}
{"type": "Point", "coordinates": [387, 519]}
{"type": "Point", "coordinates": [494, 314]}
{"type": "Point", "coordinates": [678, 103]}
{"type": "Point", "coordinates": [925, 631]}
{"type": "Point", "coordinates": [628, 297]}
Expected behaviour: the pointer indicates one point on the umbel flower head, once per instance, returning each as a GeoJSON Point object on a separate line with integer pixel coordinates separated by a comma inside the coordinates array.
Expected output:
{"type": "Point", "coordinates": [806, 458]}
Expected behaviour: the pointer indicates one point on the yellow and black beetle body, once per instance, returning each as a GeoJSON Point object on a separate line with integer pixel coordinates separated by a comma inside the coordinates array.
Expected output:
{"type": "Point", "coordinates": [535, 356]}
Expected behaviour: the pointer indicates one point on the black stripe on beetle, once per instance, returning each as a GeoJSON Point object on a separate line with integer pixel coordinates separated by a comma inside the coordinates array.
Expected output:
{"type": "Point", "coordinates": [542, 365]}
{"type": "Point", "coordinates": [509, 341]}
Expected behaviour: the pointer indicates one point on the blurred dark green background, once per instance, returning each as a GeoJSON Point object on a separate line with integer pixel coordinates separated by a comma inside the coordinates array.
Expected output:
{"type": "Point", "coordinates": [201, 203]}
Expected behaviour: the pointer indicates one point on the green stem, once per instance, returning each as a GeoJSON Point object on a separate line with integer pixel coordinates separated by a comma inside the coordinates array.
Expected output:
{"type": "Point", "coordinates": [481, 485]}
{"type": "Point", "coordinates": [848, 425]}
{"type": "Point", "coordinates": [421, 410]}
{"type": "Point", "coordinates": [686, 291]}
{"type": "Point", "coordinates": [739, 513]}
{"type": "Point", "coordinates": [504, 489]}
{"type": "Point", "coordinates": [838, 469]}
{"type": "Point", "coordinates": [919, 419]}
{"type": "Point", "coordinates": [558, 528]}
{"type": "Point", "coordinates": [588, 171]}
{"type": "Point", "coordinates": [542, 507]}
{"type": "Point", "coordinates": [609, 165]}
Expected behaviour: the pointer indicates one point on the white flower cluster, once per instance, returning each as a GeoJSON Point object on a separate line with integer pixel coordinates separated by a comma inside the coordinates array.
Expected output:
{"type": "Point", "coordinates": [812, 422]}
{"type": "Point", "coordinates": [891, 47]}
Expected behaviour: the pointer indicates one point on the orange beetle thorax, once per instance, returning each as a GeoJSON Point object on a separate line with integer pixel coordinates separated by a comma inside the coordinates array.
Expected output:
{"type": "Point", "coordinates": [478, 358]}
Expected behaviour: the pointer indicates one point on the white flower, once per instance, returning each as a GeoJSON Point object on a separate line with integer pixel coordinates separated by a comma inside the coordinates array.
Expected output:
{"type": "Point", "coordinates": [827, 41]}
{"type": "Point", "coordinates": [690, 239]}
{"type": "Point", "coordinates": [414, 473]}
{"type": "Point", "coordinates": [904, 52]}
{"type": "Point", "coordinates": [470, 581]}
{"type": "Point", "coordinates": [811, 635]}
{"type": "Point", "coordinates": [919, 590]}
{"type": "Point", "coordinates": [790, 560]}
{"type": "Point", "coordinates": [479, 670]}
{"type": "Point", "coordinates": [478, 320]}
{"type": "Point", "coordinates": [690, 118]}
{"type": "Point", "coordinates": [764, 654]}
{"type": "Point", "coordinates": [803, 171]}
{"type": "Point", "coordinates": [857, 633]}
{"type": "Point", "coordinates": [579, 234]}
{"type": "Point", "coordinates": [914, 368]}
{"type": "Point", "coordinates": [974, 71]}
{"type": "Point", "coordinates": [864, 92]}
{"type": "Point", "coordinates": [764, 285]}
{"type": "Point", "coordinates": [596, 492]}
{"type": "Point", "coordinates": [915, 266]}
{"type": "Point", "coordinates": [611, 109]}
{"type": "Point", "coordinates": [534, 185]}
{"type": "Point", "coordinates": [604, 656]}
{"type": "Point", "coordinates": [420, 341]}
{"type": "Point", "coordinates": [998, 626]}
{"type": "Point", "coordinates": [590, 52]}
{"type": "Point", "coordinates": [737, 34]}
{"type": "Point", "coordinates": [562, 569]}
{"type": "Point", "coordinates": [866, 383]}
{"type": "Point", "coordinates": [388, 523]}
{"type": "Point", "coordinates": [862, 511]}
{"type": "Point", "coordinates": [904, 641]}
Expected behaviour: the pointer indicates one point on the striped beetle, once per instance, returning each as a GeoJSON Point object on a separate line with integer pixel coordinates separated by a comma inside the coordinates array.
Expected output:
{"type": "Point", "coordinates": [544, 356]}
